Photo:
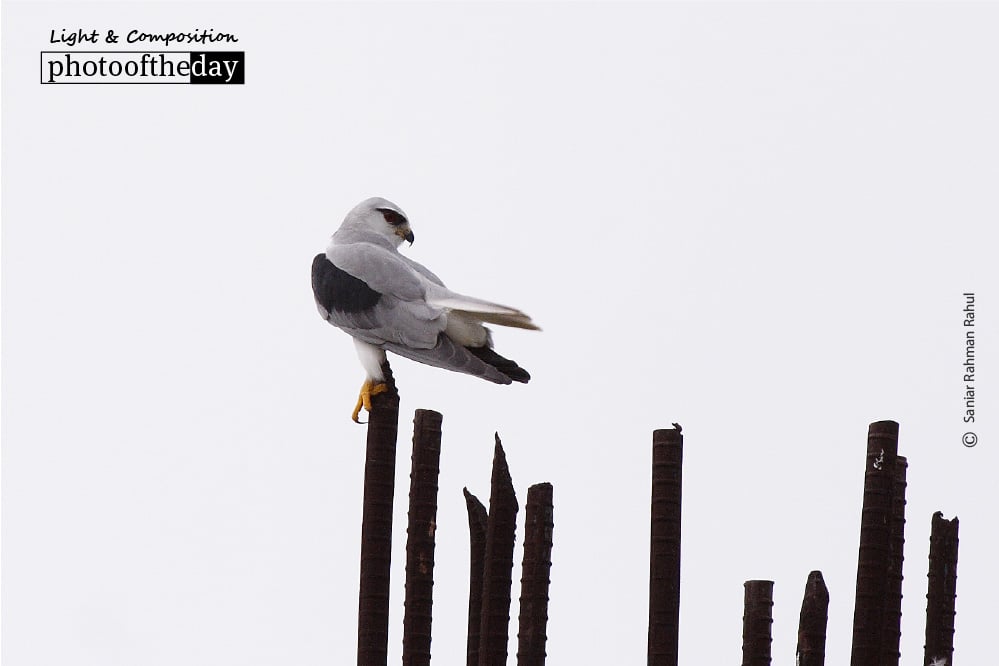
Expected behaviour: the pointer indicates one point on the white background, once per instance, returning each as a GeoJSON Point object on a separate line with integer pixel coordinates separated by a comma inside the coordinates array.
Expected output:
{"type": "Point", "coordinates": [754, 219]}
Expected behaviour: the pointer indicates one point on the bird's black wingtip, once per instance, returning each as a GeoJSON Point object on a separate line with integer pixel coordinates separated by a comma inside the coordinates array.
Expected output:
{"type": "Point", "coordinates": [509, 368]}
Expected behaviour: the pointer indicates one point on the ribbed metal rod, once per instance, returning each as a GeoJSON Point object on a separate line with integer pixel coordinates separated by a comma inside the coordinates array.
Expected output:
{"type": "Point", "coordinates": [811, 650]}
{"type": "Point", "coordinates": [498, 574]}
{"type": "Point", "coordinates": [664, 555]}
{"type": "Point", "coordinates": [891, 632]}
{"type": "Point", "coordinates": [874, 558]}
{"type": "Point", "coordinates": [757, 621]}
{"type": "Point", "coordinates": [420, 540]}
{"type": "Point", "coordinates": [536, 575]}
{"type": "Point", "coordinates": [477, 521]}
{"type": "Point", "coordinates": [376, 526]}
{"type": "Point", "coordinates": [941, 594]}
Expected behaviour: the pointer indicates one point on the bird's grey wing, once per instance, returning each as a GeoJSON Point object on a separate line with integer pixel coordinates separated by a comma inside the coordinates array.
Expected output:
{"type": "Point", "coordinates": [388, 272]}
{"type": "Point", "coordinates": [449, 355]}
{"type": "Point", "coordinates": [372, 315]}
{"type": "Point", "coordinates": [383, 270]}
{"type": "Point", "coordinates": [412, 329]}
{"type": "Point", "coordinates": [422, 270]}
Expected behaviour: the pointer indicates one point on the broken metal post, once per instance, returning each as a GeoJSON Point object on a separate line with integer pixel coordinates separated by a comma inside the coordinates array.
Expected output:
{"type": "Point", "coordinates": [420, 538]}
{"type": "Point", "coordinates": [376, 526]}
{"type": "Point", "coordinates": [941, 594]}
{"type": "Point", "coordinates": [535, 575]}
{"type": "Point", "coordinates": [497, 577]}
{"type": "Point", "coordinates": [664, 557]}
{"type": "Point", "coordinates": [477, 520]}
{"type": "Point", "coordinates": [757, 620]}
{"type": "Point", "coordinates": [811, 650]}
{"type": "Point", "coordinates": [874, 560]}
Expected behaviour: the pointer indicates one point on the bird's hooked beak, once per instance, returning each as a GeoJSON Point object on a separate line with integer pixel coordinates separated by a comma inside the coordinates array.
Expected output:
{"type": "Point", "coordinates": [405, 233]}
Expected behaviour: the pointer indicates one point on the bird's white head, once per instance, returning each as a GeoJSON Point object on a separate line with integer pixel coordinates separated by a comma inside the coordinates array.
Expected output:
{"type": "Point", "coordinates": [380, 217]}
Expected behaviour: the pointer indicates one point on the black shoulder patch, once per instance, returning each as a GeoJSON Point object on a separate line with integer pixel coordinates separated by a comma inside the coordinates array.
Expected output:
{"type": "Point", "coordinates": [339, 291]}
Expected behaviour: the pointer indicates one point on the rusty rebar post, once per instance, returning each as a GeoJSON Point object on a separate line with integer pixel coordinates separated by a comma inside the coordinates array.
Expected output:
{"type": "Point", "coordinates": [664, 556]}
{"type": "Point", "coordinates": [757, 621]}
{"type": "Point", "coordinates": [420, 538]}
{"type": "Point", "coordinates": [498, 573]}
{"type": "Point", "coordinates": [477, 521]}
{"type": "Point", "coordinates": [376, 526]}
{"type": "Point", "coordinates": [941, 595]}
{"type": "Point", "coordinates": [892, 629]}
{"type": "Point", "coordinates": [874, 559]}
{"type": "Point", "coordinates": [536, 575]}
{"type": "Point", "coordinates": [811, 650]}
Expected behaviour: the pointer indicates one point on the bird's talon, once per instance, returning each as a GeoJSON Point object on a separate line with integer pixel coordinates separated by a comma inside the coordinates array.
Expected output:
{"type": "Point", "coordinates": [357, 410]}
{"type": "Point", "coordinates": [368, 389]}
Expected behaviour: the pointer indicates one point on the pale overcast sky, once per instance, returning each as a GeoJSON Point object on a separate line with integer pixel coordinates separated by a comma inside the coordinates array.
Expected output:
{"type": "Point", "coordinates": [756, 220]}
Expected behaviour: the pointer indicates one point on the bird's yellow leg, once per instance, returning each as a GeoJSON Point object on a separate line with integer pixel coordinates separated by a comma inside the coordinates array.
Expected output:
{"type": "Point", "coordinates": [368, 389]}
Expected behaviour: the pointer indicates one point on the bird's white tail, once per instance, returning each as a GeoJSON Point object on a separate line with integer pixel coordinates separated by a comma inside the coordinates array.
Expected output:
{"type": "Point", "coordinates": [478, 309]}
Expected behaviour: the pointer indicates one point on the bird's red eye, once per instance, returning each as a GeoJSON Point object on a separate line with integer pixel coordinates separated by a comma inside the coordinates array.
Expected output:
{"type": "Point", "coordinates": [392, 217]}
